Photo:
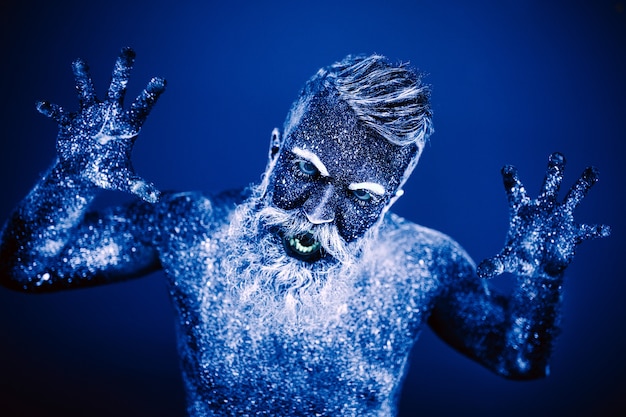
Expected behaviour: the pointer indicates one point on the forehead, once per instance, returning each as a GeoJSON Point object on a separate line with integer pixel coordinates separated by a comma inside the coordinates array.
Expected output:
{"type": "Point", "coordinates": [347, 147]}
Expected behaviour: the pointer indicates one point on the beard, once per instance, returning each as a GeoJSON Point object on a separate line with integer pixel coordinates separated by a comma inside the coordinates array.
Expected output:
{"type": "Point", "coordinates": [282, 270]}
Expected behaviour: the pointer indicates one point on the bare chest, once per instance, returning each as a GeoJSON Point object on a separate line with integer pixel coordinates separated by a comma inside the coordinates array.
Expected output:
{"type": "Point", "coordinates": [345, 361]}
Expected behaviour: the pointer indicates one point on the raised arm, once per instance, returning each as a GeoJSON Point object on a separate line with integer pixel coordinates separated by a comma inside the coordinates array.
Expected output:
{"type": "Point", "coordinates": [514, 335]}
{"type": "Point", "coordinates": [49, 242]}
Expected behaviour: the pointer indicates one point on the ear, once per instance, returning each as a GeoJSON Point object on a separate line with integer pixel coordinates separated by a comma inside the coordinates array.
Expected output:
{"type": "Point", "coordinates": [274, 146]}
{"type": "Point", "coordinates": [399, 193]}
{"type": "Point", "coordinates": [272, 157]}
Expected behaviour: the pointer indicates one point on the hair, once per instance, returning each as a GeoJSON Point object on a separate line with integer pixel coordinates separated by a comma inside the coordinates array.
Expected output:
{"type": "Point", "coordinates": [390, 99]}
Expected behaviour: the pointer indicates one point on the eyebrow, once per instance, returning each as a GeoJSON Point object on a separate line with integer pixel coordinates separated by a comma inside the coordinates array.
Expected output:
{"type": "Point", "coordinates": [312, 158]}
{"type": "Point", "coordinates": [369, 186]}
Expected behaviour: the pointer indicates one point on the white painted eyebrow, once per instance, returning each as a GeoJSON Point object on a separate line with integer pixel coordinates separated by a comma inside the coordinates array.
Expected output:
{"type": "Point", "coordinates": [369, 186]}
{"type": "Point", "coordinates": [312, 158]}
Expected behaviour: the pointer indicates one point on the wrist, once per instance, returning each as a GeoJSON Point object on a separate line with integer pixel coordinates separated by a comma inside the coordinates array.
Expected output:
{"type": "Point", "coordinates": [541, 287]}
{"type": "Point", "coordinates": [62, 175]}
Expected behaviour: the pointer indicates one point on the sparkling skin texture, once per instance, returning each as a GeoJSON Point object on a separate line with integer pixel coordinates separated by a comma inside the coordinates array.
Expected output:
{"type": "Point", "coordinates": [349, 361]}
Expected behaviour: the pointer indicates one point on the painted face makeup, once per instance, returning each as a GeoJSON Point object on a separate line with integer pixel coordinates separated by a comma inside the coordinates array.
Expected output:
{"type": "Point", "coordinates": [335, 170]}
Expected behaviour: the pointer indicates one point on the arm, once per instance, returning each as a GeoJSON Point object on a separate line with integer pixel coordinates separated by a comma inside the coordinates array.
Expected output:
{"type": "Point", "coordinates": [513, 335]}
{"type": "Point", "coordinates": [50, 242]}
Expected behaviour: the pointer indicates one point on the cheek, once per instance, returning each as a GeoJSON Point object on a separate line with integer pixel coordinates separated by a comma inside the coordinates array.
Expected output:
{"type": "Point", "coordinates": [288, 192]}
{"type": "Point", "coordinates": [353, 219]}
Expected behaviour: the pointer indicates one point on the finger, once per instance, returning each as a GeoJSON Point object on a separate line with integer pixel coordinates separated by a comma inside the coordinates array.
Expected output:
{"type": "Point", "coordinates": [515, 191]}
{"type": "Point", "coordinates": [125, 180]}
{"type": "Point", "coordinates": [142, 105]}
{"type": "Point", "coordinates": [553, 178]}
{"type": "Point", "coordinates": [84, 84]}
{"type": "Point", "coordinates": [144, 190]}
{"type": "Point", "coordinates": [491, 267]}
{"type": "Point", "coordinates": [595, 231]}
{"type": "Point", "coordinates": [53, 111]}
{"type": "Point", "coordinates": [121, 73]}
{"type": "Point", "coordinates": [580, 189]}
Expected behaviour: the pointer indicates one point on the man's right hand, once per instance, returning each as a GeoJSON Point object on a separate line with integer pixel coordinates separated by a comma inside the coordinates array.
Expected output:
{"type": "Point", "coordinates": [95, 143]}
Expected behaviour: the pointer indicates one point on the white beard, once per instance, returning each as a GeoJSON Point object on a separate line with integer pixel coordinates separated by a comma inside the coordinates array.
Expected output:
{"type": "Point", "coordinates": [277, 289]}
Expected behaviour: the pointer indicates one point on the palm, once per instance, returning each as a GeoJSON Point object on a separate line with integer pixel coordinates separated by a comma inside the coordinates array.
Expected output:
{"type": "Point", "coordinates": [96, 142]}
{"type": "Point", "coordinates": [543, 234]}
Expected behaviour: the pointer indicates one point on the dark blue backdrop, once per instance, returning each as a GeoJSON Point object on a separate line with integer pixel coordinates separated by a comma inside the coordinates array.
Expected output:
{"type": "Point", "coordinates": [512, 82]}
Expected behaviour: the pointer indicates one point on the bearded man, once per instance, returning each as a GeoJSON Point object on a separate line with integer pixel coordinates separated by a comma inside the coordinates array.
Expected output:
{"type": "Point", "coordinates": [302, 295]}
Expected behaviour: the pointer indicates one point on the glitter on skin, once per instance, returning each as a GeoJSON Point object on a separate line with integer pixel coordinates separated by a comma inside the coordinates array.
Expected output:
{"type": "Point", "coordinates": [279, 315]}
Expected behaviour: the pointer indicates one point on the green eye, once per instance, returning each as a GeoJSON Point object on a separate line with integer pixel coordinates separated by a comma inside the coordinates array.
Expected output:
{"type": "Point", "coordinates": [362, 195]}
{"type": "Point", "coordinates": [307, 167]}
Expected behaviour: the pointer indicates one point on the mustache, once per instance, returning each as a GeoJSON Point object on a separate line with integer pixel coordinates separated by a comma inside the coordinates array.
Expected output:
{"type": "Point", "coordinates": [293, 223]}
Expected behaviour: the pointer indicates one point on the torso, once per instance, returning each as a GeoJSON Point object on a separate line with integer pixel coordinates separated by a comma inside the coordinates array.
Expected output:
{"type": "Point", "coordinates": [353, 366]}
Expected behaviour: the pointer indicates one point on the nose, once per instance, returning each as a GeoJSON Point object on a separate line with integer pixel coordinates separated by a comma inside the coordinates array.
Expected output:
{"type": "Point", "coordinates": [320, 206]}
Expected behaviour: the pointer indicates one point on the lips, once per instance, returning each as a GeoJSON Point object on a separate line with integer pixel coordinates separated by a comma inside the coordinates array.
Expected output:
{"type": "Point", "coordinates": [304, 247]}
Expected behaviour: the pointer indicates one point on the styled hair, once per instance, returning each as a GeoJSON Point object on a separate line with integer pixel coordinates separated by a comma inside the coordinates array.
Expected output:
{"type": "Point", "coordinates": [390, 99]}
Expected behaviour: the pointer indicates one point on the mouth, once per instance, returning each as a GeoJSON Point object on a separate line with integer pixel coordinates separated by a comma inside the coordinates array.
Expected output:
{"type": "Point", "coordinates": [303, 247]}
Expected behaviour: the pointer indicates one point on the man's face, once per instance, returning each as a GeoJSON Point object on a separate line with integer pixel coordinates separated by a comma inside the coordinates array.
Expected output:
{"type": "Point", "coordinates": [334, 169]}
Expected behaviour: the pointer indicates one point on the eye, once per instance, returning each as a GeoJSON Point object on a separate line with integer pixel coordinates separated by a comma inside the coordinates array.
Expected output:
{"type": "Point", "coordinates": [362, 195]}
{"type": "Point", "coordinates": [307, 167]}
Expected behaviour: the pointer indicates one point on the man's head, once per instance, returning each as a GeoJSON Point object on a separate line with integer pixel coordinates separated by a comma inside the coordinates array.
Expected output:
{"type": "Point", "coordinates": [350, 141]}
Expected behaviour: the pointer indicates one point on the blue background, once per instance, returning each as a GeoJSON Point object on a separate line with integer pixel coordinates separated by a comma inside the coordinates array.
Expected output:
{"type": "Point", "coordinates": [512, 82]}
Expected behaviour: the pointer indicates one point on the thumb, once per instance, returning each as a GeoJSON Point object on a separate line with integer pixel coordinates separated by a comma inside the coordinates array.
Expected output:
{"type": "Point", "coordinates": [53, 111]}
{"type": "Point", "coordinates": [142, 189]}
{"type": "Point", "coordinates": [491, 267]}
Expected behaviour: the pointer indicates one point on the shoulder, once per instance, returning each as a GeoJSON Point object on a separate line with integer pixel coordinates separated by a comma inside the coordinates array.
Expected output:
{"type": "Point", "coordinates": [199, 206]}
{"type": "Point", "coordinates": [419, 264]}
{"type": "Point", "coordinates": [413, 236]}
{"type": "Point", "coordinates": [183, 215]}
{"type": "Point", "coordinates": [414, 243]}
